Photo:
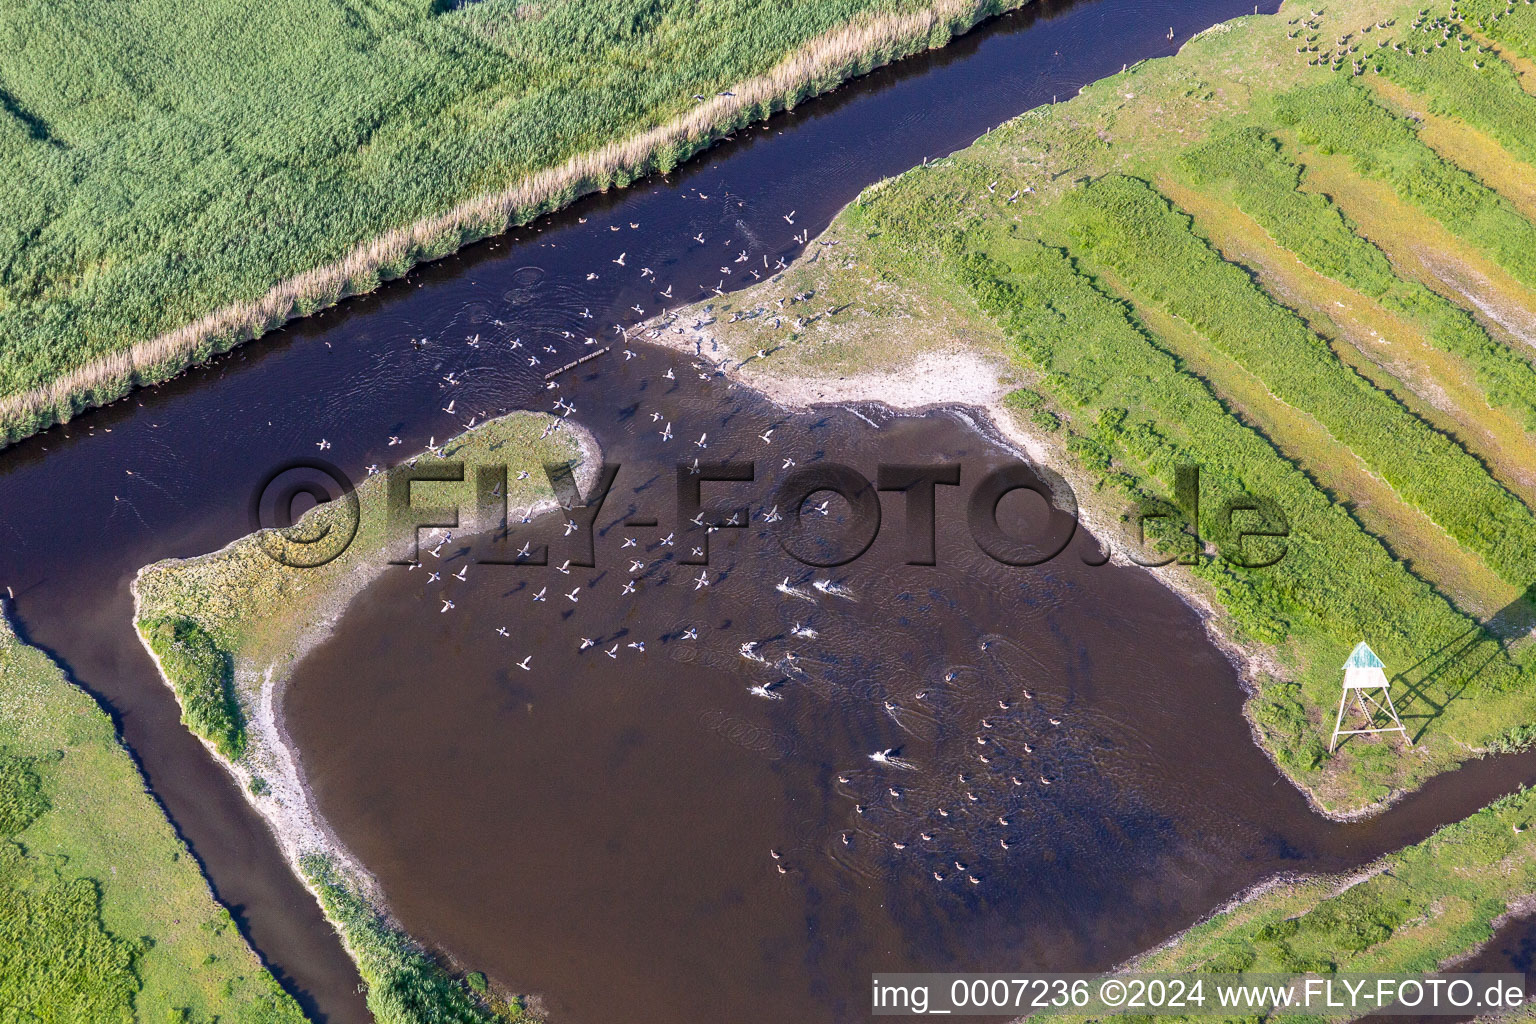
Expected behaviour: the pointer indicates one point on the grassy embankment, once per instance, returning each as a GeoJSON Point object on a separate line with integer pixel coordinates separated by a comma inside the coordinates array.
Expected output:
{"type": "Point", "coordinates": [104, 915]}
{"type": "Point", "coordinates": [1411, 911]}
{"type": "Point", "coordinates": [237, 620]}
{"type": "Point", "coordinates": [165, 202]}
{"type": "Point", "coordinates": [1248, 257]}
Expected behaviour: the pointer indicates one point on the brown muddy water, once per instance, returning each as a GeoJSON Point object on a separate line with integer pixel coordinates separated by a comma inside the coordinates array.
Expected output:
{"type": "Point", "coordinates": [601, 835]}
{"type": "Point", "coordinates": [599, 828]}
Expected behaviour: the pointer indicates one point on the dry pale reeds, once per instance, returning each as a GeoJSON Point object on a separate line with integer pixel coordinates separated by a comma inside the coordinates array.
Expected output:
{"type": "Point", "coordinates": [822, 64]}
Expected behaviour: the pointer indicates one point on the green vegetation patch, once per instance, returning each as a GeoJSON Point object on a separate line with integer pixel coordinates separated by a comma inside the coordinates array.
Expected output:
{"type": "Point", "coordinates": [1151, 415]}
{"type": "Point", "coordinates": [104, 916]}
{"type": "Point", "coordinates": [1339, 117]}
{"type": "Point", "coordinates": [1514, 26]}
{"type": "Point", "coordinates": [1250, 165]}
{"type": "Point", "coordinates": [1124, 224]}
{"type": "Point", "coordinates": [1461, 78]}
{"type": "Point", "coordinates": [406, 985]}
{"type": "Point", "coordinates": [21, 794]}
{"type": "Point", "coordinates": [202, 676]}
{"type": "Point", "coordinates": [164, 161]}
{"type": "Point", "coordinates": [1408, 913]}
{"type": "Point", "coordinates": [57, 960]}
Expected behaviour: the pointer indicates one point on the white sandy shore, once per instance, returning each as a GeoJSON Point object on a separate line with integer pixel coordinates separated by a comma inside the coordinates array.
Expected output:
{"type": "Point", "coordinates": [288, 806]}
{"type": "Point", "coordinates": [966, 381]}
{"type": "Point", "coordinates": [972, 384]}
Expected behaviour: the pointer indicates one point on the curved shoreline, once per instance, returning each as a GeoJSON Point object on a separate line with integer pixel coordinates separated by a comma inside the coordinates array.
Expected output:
{"type": "Point", "coordinates": [288, 805]}
{"type": "Point", "coordinates": [972, 387]}
{"type": "Point", "coordinates": [285, 801]}
{"type": "Point", "coordinates": [962, 380]}
{"type": "Point", "coordinates": [820, 66]}
{"type": "Point", "coordinates": [1332, 886]}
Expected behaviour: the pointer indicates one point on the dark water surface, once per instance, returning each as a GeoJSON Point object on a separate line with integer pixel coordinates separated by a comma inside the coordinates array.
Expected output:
{"type": "Point", "coordinates": [1075, 779]}
{"type": "Point", "coordinates": [602, 836]}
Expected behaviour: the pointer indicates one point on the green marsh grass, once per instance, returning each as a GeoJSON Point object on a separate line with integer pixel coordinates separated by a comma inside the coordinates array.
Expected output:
{"type": "Point", "coordinates": [183, 178]}
{"type": "Point", "coordinates": [1340, 117]}
{"type": "Point", "coordinates": [406, 985]}
{"type": "Point", "coordinates": [202, 676]}
{"type": "Point", "coordinates": [1410, 912]}
{"type": "Point", "coordinates": [104, 914]}
{"type": "Point", "coordinates": [1458, 78]}
{"type": "Point", "coordinates": [1493, 18]}
{"type": "Point", "coordinates": [1041, 274]}
{"type": "Point", "coordinates": [1265, 185]}
{"type": "Point", "coordinates": [1126, 224]}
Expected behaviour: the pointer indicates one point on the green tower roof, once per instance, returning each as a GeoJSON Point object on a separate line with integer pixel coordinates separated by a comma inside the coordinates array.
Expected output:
{"type": "Point", "coordinates": [1363, 657]}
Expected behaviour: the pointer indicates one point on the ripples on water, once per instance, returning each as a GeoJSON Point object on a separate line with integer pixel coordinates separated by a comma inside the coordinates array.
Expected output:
{"type": "Point", "coordinates": [610, 813]}
{"type": "Point", "coordinates": [599, 829]}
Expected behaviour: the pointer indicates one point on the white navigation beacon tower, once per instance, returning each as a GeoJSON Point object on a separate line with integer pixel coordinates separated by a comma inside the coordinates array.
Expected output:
{"type": "Point", "coordinates": [1363, 674]}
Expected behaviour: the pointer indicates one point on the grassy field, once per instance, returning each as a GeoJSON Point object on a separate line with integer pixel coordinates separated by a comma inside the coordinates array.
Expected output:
{"type": "Point", "coordinates": [1249, 257]}
{"type": "Point", "coordinates": [203, 678]}
{"type": "Point", "coordinates": [227, 627]}
{"type": "Point", "coordinates": [104, 915]}
{"type": "Point", "coordinates": [180, 179]}
{"type": "Point", "coordinates": [1409, 912]}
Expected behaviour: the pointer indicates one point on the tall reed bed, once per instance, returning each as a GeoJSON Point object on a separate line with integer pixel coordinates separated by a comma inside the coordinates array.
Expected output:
{"type": "Point", "coordinates": [402, 135]}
